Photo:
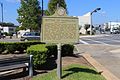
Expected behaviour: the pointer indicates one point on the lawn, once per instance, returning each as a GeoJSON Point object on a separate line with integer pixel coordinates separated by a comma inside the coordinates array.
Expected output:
{"type": "Point", "coordinates": [72, 72]}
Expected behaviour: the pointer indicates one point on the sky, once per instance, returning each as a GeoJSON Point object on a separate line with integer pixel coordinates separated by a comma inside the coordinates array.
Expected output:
{"type": "Point", "coordinates": [109, 9]}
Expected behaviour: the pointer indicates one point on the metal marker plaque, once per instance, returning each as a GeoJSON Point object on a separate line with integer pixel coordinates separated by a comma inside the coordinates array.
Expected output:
{"type": "Point", "coordinates": [59, 28]}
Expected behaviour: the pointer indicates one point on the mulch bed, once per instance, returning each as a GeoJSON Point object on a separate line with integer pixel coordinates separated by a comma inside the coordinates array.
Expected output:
{"type": "Point", "coordinates": [20, 75]}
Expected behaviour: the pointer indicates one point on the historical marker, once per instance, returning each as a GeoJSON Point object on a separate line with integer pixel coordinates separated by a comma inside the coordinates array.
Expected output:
{"type": "Point", "coordinates": [60, 29]}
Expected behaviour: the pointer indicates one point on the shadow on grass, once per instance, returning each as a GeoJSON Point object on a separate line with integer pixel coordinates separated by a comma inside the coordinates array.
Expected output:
{"type": "Point", "coordinates": [76, 70]}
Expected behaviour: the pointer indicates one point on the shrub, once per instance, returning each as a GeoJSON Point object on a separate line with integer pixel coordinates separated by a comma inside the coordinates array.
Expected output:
{"type": "Point", "coordinates": [67, 50]}
{"type": "Point", "coordinates": [52, 50]}
{"type": "Point", "coordinates": [39, 54]}
{"type": "Point", "coordinates": [11, 47]}
{"type": "Point", "coordinates": [2, 47]}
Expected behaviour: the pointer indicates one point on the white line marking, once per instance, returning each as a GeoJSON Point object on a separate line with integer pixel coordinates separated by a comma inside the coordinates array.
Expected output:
{"type": "Point", "coordinates": [83, 42]}
{"type": "Point", "coordinates": [99, 42]}
{"type": "Point", "coordinates": [111, 40]}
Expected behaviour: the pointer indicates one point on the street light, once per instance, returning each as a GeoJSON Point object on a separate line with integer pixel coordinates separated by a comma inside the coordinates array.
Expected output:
{"type": "Point", "coordinates": [97, 9]}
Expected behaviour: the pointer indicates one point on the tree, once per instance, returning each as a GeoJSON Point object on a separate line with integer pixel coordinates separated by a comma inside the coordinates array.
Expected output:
{"type": "Point", "coordinates": [87, 26]}
{"type": "Point", "coordinates": [29, 14]}
{"type": "Point", "coordinates": [7, 24]}
{"type": "Point", "coordinates": [52, 5]}
{"type": "Point", "coordinates": [46, 12]}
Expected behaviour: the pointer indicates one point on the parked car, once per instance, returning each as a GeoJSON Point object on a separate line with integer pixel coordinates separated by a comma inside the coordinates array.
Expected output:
{"type": "Point", "coordinates": [28, 36]}
{"type": "Point", "coordinates": [115, 31]}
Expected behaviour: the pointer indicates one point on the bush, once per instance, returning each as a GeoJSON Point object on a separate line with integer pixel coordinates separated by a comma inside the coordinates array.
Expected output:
{"type": "Point", "coordinates": [2, 47]}
{"type": "Point", "coordinates": [52, 50]}
{"type": "Point", "coordinates": [39, 54]}
{"type": "Point", "coordinates": [67, 50]}
{"type": "Point", "coordinates": [11, 47]}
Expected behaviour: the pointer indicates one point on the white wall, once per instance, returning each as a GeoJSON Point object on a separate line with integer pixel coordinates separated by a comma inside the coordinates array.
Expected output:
{"type": "Point", "coordinates": [113, 24]}
{"type": "Point", "coordinates": [85, 19]}
{"type": "Point", "coordinates": [6, 29]}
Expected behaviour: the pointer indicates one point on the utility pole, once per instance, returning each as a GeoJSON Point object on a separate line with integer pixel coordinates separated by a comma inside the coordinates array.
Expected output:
{"type": "Point", "coordinates": [42, 9]}
{"type": "Point", "coordinates": [1, 11]}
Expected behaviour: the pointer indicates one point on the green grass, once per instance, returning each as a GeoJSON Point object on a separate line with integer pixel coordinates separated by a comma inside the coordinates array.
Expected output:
{"type": "Point", "coordinates": [72, 72]}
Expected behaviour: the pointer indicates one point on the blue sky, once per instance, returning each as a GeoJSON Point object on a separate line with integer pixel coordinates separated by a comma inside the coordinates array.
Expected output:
{"type": "Point", "coordinates": [109, 9]}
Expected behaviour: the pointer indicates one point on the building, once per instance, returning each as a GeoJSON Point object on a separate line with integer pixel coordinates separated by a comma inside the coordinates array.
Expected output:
{"type": "Point", "coordinates": [8, 29]}
{"type": "Point", "coordinates": [83, 20]}
{"type": "Point", "coordinates": [113, 24]}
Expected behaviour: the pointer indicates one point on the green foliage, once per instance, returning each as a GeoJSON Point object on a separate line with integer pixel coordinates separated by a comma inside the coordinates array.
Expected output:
{"type": "Point", "coordinates": [10, 47]}
{"type": "Point", "coordinates": [5, 33]}
{"type": "Point", "coordinates": [72, 72]}
{"type": "Point", "coordinates": [52, 6]}
{"type": "Point", "coordinates": [7, 24]}
{"type": "Point", "coordinates": [87, 26]}
{"type": "Point", "coordinates": [39, 54]}
{"type": "Point", "coordinates": [67, 50]}
{"type": "Point", "coordinates": [46, 12]}
{"type": "Point", "coordinates": [29, 14]}
{"type": "Point", "coordinates": [2, 47]}
{"type": "Point", "coordinates": [16, 46]}
{"type": "Point", "coordinates": [52, 50]}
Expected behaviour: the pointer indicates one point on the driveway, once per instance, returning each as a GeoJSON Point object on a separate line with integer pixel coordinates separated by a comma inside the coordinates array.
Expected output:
{"type": "Point", "coordinates": [107, 55]}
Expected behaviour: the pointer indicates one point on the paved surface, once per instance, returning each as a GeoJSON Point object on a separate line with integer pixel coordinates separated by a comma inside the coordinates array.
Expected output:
{"type": "Point", "coordinates": [100, 68]}
{"type": "Point", "coordinates": [105, 39]}
{"type": "Point", "coordinates": [107, 55]}
{"type": "Point", "coordinates": [7, 39]}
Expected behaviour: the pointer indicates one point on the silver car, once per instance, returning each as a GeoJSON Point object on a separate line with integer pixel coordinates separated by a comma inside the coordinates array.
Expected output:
{"type": "Point", "coordinates": [30, 36]}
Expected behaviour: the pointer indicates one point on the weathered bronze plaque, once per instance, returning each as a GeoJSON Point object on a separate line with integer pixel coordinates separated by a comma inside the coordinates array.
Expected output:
{"type": "Point", "coordinates": [59, 28]}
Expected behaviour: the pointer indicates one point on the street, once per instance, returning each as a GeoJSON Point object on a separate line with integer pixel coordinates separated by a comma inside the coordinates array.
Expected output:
{"type": "Point", "coordinates": [106, 39]}
{"type": "Point", "coordinates": [7, 39]}
{"type": "Point", "coordinates": [103, 48]}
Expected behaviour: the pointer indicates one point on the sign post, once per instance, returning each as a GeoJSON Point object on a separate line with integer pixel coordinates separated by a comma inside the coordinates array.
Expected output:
{"type": "Point", "coordinates": [59, 29]}
{"type": "Point", "coordinates": [59, 61]}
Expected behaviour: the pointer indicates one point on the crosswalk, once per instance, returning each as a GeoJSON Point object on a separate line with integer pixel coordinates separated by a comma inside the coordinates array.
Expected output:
{"type": "Point", "coordinates": [105, 40]}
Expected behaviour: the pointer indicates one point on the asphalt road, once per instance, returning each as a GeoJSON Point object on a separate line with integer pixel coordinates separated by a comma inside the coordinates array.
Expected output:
{"type": "Point", "coordinates": [104, 48]}
{"type": "Point", "coordinates": [108, 39]}
{"type": "Point", "coordinates": [106, 55]}
{"type": "Point", "coordinates": [7, 39]}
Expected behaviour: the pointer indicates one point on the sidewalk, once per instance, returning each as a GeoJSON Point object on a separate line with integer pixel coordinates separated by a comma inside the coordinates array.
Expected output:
{"type": "Point", "coordinates": [103, 54]}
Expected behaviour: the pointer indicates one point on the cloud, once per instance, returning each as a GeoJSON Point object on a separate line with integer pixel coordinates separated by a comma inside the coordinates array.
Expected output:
{"type": "Point", "coordinates": [13, 1]}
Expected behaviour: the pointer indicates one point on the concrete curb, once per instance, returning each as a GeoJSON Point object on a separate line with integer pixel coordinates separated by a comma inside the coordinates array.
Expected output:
{"type": "Point", "coordinates": [107, 74]}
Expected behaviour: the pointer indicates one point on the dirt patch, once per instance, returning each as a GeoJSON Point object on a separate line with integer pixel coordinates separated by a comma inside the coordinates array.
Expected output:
{"type": "Point", "coordinates": [75, 60]}
{"type": "Point", "coordinates": [20, 75]}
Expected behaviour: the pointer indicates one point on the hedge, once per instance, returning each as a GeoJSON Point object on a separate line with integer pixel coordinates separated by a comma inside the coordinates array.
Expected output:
{"type": "Point", "coordinates": [43, 51]}
{"type": "Point", "coordinates": [67, 50]}
{"type": "Point", "coordinates": [2, 47]}
{"type": "Point", "coordinates": [39, 54]}
{"type": "Point", "coordinates": [11, 47]}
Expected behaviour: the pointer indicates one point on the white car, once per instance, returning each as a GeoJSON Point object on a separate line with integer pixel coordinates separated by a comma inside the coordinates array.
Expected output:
{"type": "Point", "coordinates": [29, 36]}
